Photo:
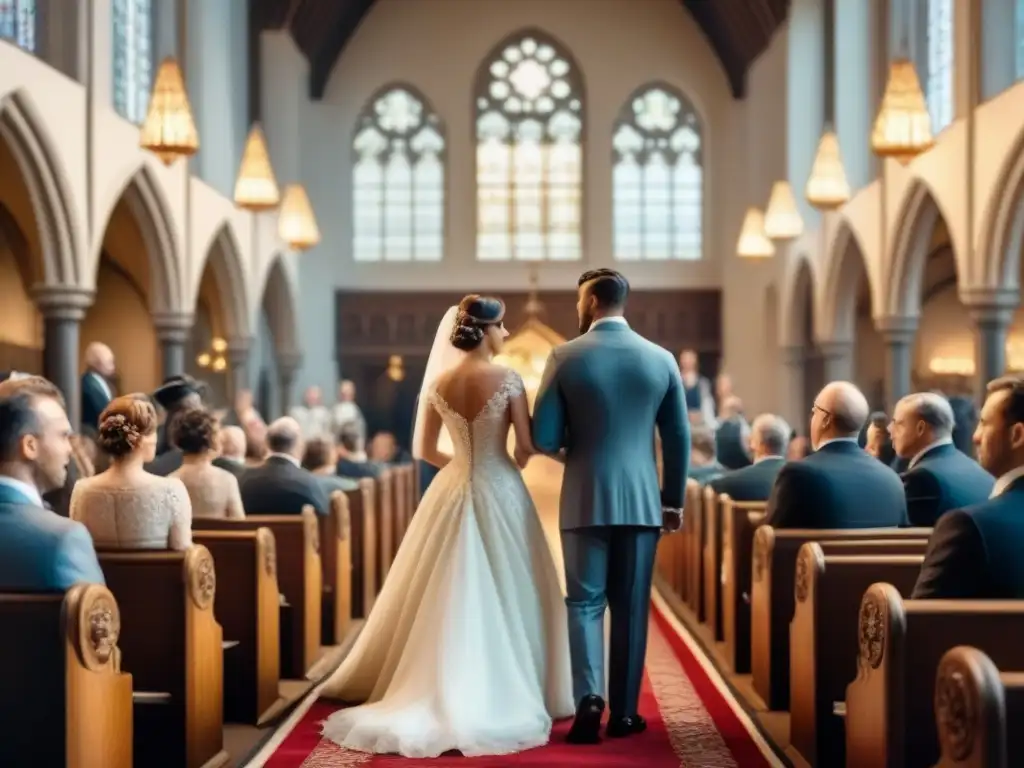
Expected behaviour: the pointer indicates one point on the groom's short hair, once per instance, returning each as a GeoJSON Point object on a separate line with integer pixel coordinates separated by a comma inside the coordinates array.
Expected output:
{"type": "Point", "coordinates": [610, 288]}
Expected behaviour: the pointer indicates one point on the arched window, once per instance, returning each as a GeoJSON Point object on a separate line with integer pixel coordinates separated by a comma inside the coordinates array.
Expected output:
{"type": "Point", "coordinates": [133, 57]}
{"type": "Point", "coordinates": [18, 23]}
{"type": "Point", "coordinates": [529, 159]}
{"type": "Point", "coordinates": [658, 177]}
{"type": "Point", "coordinates": [398, 179]}
{"type": "Point", "coordinates": [939, 86]}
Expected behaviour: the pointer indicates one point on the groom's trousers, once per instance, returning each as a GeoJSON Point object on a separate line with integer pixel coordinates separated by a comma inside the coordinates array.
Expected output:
{"type": "Point", "coordinates": [609, 565]}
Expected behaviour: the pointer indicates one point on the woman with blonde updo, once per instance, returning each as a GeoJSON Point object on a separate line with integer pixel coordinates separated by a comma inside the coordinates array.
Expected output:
{"type": "Point", "coordinates": [126, 507]}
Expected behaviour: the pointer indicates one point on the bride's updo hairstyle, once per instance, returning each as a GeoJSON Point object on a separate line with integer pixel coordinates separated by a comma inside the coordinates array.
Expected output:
{"type": "Point", "coordinates": [476, 313]}
{"type": "Point", "coordinates": [124, 423]}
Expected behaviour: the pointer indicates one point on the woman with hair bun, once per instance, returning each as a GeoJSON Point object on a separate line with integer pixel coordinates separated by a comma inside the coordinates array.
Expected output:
{"type": "Point", "coordinates": [214, 491]}
{"type": "Point", "coordinates": [126, 507]}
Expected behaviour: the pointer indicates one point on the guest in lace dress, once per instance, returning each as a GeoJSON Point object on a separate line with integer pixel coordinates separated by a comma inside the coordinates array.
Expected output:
{"type": "Point", "coordinates": [126, 507]}
{"type": "Point", "coordinates": [213, 491]}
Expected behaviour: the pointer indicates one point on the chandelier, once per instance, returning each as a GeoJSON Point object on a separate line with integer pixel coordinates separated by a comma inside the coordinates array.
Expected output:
{"type": "Point", "coordinates": [296, 224]}
{"type": "Point", "coordinates": [214, 359]}
{"type": "Point", "coordinates": [903, 128]}
{"type": "Point", "coordinates": [753, 242]}
{"type": "Point", "coordinates": [169, 130]}
{"type": "Point", "coordinates": [782, 220]}
{"type": "Point", "coordinates": [827, 187]}
{"type": "Point", "coordinates": [256, 186]}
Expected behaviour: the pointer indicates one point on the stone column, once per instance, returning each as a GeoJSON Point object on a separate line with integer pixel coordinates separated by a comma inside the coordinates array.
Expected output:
{"type": "Point", "coordinates": [238, 365]}
{"type": "Point", "coordinates": [793, 402]}
{"type": "Point", "coordinates": [173, 331]}
{"type": "Point", "coordinates": [288, 364]}
{"type": "Point", "coordinates": [898, 332]}
{"type": "Point", "coordinates": [837, 360]}
{"type": "Point", "coordinates": [63, 308]}
{"type": "Point", "coordinates": [992, 312]}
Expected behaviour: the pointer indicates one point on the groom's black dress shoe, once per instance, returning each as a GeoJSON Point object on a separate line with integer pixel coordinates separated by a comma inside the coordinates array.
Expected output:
{"type": "Point", "coordinates": [586, 728]}
{"type": "Point", "coordinates": [625, 726]}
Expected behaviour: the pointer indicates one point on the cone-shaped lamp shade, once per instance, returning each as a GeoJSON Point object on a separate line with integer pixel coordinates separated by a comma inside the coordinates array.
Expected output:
{"type": "Point", "coordinates": [296, 224]}
{"type": "Point", "coordinates": [782, 220]}
{"type": "Point", "coordinates": [169, 130]}
{"type": "Point", "coordinates": [256, 187]}
{"type": "Point", "coordinates": [827, 187]}
{"type": "Point", "coordinates": [903, 128]}
{"type": "Point", "coordinates": [753, 242]}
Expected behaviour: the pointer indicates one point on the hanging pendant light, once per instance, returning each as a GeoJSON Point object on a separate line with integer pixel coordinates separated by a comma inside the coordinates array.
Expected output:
{"type": "Point", "coordinates": [782, 220]}
{"type": "Point", "coordinates": [256, 187]}
{"type": "Point", "coordinates": [296, 224]}
{"type": "Point", "coordinates": [903, 128]}
{"type": "Point", "coordinates": [827, 187]}
{"type": "Point", "coordinates": [169, 130]}
{"type": "Point", "coordinates": [753, 242]}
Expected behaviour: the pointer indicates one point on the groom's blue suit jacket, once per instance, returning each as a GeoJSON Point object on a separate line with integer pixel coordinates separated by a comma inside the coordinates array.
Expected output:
{"type": "Point", "coordinates": [600, 399]}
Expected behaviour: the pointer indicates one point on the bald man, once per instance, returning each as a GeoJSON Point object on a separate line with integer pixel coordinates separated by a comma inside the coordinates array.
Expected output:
{"type": "Point", "coordinates": [769, 439]}
{"type": "Point", "coordinates": [280, 486]}
{"type": "Point", "coordinates": [97, 390]}
{"type": "Point", "coordinates": [232, 450]}
{"type": "Point", "coordinates": [938, 476]}
{"type": "Point", "coordinates": [732, 437]}
{"type": "Point", "coordinates": [839, 485]}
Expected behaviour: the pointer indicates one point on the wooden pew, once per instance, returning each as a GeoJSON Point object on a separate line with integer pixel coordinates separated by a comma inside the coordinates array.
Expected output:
{"type": "Point", "coordinates": [693, 530]}
{"type": "Point", "coordinates": [823, 636]}
{"type": "Point", "coordinates": [739, 521]}
{"type": "Point", "coordinates": [247, 606]}
{"type": "Point", "coordinates": [978, 710]}
{"type": "Point", "coordinates": [299, 579]}
{"type": "Point", "coordinates": [336, 557]}
{"type": "Point", "coordinates": [64, 700]}
{"type": "Point", "coordinates": [671, 559]}
{"type": "Point", "coordinates": [410, 492]}
{"type": "Point", "coordinates": [173, 646]}
{"type": "Point", "coordinates": [890, 721]}
{"type": "Point", "coordinates": [384, 506]}
{"type": "Point", "coordinates": [712, 561]}
{"type": "Point", "coordinates": [363, 523]}
{"type": "Point", "coordinates": [402, 511]}
{"type": "Point", "coordinates": [772, 597]}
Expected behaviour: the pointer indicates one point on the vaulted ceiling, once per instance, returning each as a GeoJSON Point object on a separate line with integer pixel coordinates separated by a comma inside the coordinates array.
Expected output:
{"type": "Point", "coordinates": [738, 30]}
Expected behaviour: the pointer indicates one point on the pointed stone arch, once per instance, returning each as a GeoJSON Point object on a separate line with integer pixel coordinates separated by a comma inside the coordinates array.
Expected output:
{"type": "Point", "coordinates": [836, 318]}
{"type": "Point", "coordinates": [278, 302]}
{"type": "Point", "coordinates": [1002, 235]}
{"type": "Point", "coordinates": [224, 260]}
{"type": "Point", "coordinates": [908, 256]}
{"type": "Point", "coordinates": [797, 302]}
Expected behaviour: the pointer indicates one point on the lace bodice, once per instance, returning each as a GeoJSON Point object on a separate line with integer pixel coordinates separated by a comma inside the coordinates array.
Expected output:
{"type": "Point", "coordinates": [214, 491]}
{"type": "Point", "coordinates": [481, 441]}
{"type": "Point", "coordinates": [156, 514]}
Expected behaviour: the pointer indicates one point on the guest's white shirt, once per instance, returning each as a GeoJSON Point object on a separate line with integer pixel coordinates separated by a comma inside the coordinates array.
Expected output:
{"type": "Point", "coordinates": [314, 422]}
{"type": "Point", "coordinates": [920, 454]}
{"type": "Point", "coordinates": [615, 319]}
{"type": "Point", "coordinates": [28, 491]}
{"type": "Point", "coordinates": [836, 440]}
{"type": "Point", "coordinates": [286, 457]}
{"type": "Point", "coordinates": [103, 383]}
{"type": "Point", "coordinates": [765, 458]}
{"type": "Point", "coordinates": [1005, 481]}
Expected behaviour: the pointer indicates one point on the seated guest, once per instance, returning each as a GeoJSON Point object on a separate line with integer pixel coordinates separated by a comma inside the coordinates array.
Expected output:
{"type": "Point", "coordinates": [320, 458]}
{"type": "Point", "coordinates": [384, 449]}
{"type": "Point", "coordinates": [39, 551]}
{"type": "Point", "coordinates": [938, 477]}
{"type": "Point", "coordinates": [347, 413]}
{"type": "Point", "coordinates": [965, 421]}
{"type": "Point", "coordinates": [876, 438]}
{"type": "Point", "coordinates": [352, 461]}
{"type": "Point", "coordinates": [839, 485]}
{"type": "Point", "coordinates": [212, 490]}
{"type": "Point", "coordinates": [280, 486]}
{"type": "Point", "coordinates": [125, 507]}
{"type": "Point", "coordinates": [732, 437]}
{"type": "Point", "coordinates": [799, 448]}
{"type": "Point", "coordinates": [975, 552]}
{"type": "Point", "coordinates": [232, 450]}
{"type": "Point", "coordinates": [176, 394]}
{"type": "Point", "coordinates": [704, 465]}
{"type": "Point", "coordinates": [769, 437]}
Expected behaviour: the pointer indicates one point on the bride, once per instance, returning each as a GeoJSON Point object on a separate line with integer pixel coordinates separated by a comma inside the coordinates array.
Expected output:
{"type": "Point", "coordinates": [467, 645]}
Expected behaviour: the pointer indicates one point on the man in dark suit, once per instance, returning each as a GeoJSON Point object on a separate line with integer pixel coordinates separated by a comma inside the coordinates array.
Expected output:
{"type": "Point", "coordinates": [97, 391]}
{"type": "Point", "coordinates": [39, 550]}
{"type": "Point", "coordinates": [280, 486]}
{"type": "Point", "coordinates": [704, 464]}
{"type": "Point", "coordinates": [839, 485]}
{"type": "Point", "coordinates": [352, 460]}
{"type": "Point", "coordinates": [176, 395]}
{"type": "Point", "coordinates": [975, 552]}
{"type": "Point", "coordinates": [232, 451]}
{"type": "Point", "coordinates": [732, 437]}
{"type": "Point", "coordinates": [938, 476]}
{"type": "Point", "coordinates": [769, 437]}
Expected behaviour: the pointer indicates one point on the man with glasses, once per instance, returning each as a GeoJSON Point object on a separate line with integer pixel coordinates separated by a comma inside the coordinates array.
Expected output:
{"type": "Point", "coordinates": [839, 485]}
{"type": "Point", "coordinates": [938, 476]}
{"type": "Point", "coordinates": [975, 552]}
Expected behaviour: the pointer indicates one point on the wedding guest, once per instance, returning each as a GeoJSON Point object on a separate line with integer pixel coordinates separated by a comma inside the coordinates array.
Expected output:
{"type": "Point", "coordinates": [213, 491]}
{"type": "Point", "coordinates": [352, 460]}
{"type": "Point", "coordinates": [799, 448]}
{"type": "Point", "coordinates": [877, 441]}
{"type": "Point", "coordinates": [384, 449]}
{"type": "Point", "coordinates": [176, 394]}
{"type": "Point", "coordinates": [769, 436]}
{"type": "Point", "coordinates": [965, 421]}
{"type": "Point", "coordinates": [313, 417]}
{"type": "Point", "coordinates": [126, 507]}
{"type": "Point", "coordinates": [97, 390]}
{"type": "Point", "coordinates": [974, 553]}
{"type": "Point", "coordinates": [320, 458]}
{"type": "Point", "coordinates": [704, 464]}
{"type": "Point", "coordinates": [280, 486]}
{"type": "Point", "coordinates": [828, 488]}
{"type": "Point", "coordinates": [40, 551]}
{"type": "Point", "coordinates": [938, 477]}
{"type": "Point", "coordinates": [732, 436]}
{"type": "Point", "coordinates": [232, 450]}
{"type": "Point", "coordinates": [697, 388]}
{"type": "Point", "coordinates": [347, 412]}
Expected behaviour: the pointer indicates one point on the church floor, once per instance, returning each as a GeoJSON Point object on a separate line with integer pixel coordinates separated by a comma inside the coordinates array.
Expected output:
{"type": "Point", "coordinates": [693, 717]}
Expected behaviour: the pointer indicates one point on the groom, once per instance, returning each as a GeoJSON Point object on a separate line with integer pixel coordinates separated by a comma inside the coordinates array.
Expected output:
{"type": "Point", "coordinates": [599, 401]}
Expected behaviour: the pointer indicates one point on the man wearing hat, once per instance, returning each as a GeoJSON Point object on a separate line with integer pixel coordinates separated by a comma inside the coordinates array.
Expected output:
{"type": "Point", "coordinates": [175, 395]}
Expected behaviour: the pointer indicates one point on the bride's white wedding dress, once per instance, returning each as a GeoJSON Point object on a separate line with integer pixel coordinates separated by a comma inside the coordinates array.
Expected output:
{"type": "Point", "coordinates": [467, 645]}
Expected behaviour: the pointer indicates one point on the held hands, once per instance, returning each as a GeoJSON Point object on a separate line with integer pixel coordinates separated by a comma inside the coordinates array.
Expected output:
{"type": "Point", "coordinates": [521, 456]}
{"type": "Point", "coordinates": [671, 519]}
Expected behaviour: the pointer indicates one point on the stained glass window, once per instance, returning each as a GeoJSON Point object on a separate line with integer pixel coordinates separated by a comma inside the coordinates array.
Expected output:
{"type": "Point", "coordinates": [939, 85]}
{"type": "Point", "coordinates": [398, 179]}
{"type": "Point", "coordinates": [18, 23]}
{"type": "Point", "coordinates": [657, 178]}
{"type": "Point", "coordinates": [133, 57]}
{"type": "Point", "coordinates": [529, 122]}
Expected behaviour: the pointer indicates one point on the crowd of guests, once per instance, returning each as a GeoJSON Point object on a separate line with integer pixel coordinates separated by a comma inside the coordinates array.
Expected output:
{"type": "Point", "coordinates": [857, 469]}
{"type": "Point", "coordinates": [133, 480]}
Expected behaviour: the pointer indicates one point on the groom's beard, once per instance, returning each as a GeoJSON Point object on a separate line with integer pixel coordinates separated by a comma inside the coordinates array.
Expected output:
{"type": "Point", "coordinates": [585, 322]}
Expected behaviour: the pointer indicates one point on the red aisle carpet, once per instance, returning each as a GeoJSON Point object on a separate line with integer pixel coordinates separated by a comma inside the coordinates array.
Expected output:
{"type": "Point", "coordinates": [690, 723]}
